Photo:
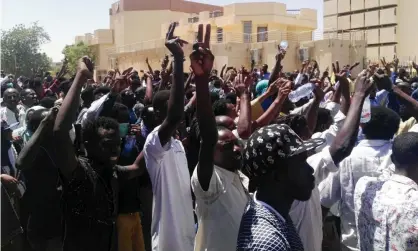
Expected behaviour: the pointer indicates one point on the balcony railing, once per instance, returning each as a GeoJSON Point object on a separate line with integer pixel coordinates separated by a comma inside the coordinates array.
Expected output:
{"type": "Point", "coordinates": [216, 14]}
{"type": "Point", "coordinates": [293, 12]}
{"type": "Point", "coordinates": [221, 37]}
{"type": "Point", "coordinates": [193, 20]}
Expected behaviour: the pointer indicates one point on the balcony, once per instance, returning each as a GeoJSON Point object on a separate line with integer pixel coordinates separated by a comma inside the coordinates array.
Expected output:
{"type": "Point", "coordinates": [214, 14]}
{"type": "Point", "coordinates": [293, 12]}
{"type": "Point", "coordinates": [193, 20]}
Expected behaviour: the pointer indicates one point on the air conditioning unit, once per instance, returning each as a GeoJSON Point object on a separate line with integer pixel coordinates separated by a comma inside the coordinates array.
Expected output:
{"type": "Point", "coordinates": [303, 54]}
{"type": "Point", "coordinates": [256, 55]}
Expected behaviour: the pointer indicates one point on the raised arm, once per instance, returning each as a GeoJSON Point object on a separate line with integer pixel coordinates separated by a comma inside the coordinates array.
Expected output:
{"type": "Point", "coordinates": [149, 66]}
{"type": "Point", "coordinates": [66, 157]}
{"type": "Point", "coordinates": [344, 141]}
{"type": "Point", "coordinates": [221, 75]}
{"type": "Point", "coordinates": [275, 107]}
{"type": "Point", "coordinates": [241, 85]}
{"type": "Point", "coordinates": [176, 102]}
{"type": "Point", "coordinates": [201, 61]}
{"type": "Point", "coordinates": [149, 89]}
{"type": "Point", "coordinates": [312, 113]}
{"type": "Point", "coordinates": [277, 67]}
{"type": "Point", "coordinates": [32, 148]}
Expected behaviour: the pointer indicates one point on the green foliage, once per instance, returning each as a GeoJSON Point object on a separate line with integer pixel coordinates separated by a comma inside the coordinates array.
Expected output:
{"type": "Point", "coordinates": [20, 50]}
{"type": "Point", "coordinates": [74, 52]}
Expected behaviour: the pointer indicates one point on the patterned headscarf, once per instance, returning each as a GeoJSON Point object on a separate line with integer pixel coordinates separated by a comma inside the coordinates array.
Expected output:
{"type": "Point", "coordinates": [269, 145]}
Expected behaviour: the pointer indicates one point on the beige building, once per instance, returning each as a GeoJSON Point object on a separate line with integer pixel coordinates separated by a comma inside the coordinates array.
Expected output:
{"type": "Point", "coordinates": [388, 26]}
{"type": "Point", "coordinates": [241, 32]}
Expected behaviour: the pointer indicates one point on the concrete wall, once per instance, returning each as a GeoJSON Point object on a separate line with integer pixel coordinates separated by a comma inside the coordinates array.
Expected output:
{"type": "Point", "coordinates": [406, 31]}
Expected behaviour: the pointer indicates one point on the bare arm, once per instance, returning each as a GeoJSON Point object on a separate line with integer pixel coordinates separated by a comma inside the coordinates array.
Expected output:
{"type": "Point", "coordinates": [345, 140]}
{"type": "Point", "coordinates": [134, 170]}
{"type": "Point", "coordinates": [274, 108]}
{"type": "Point", "coordinates": [66, 157]}
{"type": "Point", "coordinates": [277, 67]}
{"type": "Point", "coordinates": [408, 101]}
{"type": "Point", "coordinates": [312, 113]}
{"type": "Point", "coordinates": [242, 85]}
{"type": "Point", "coordinates": [222, 71]}
{"type": "Point", "coordinates": [345, 93]}
{"type": "Point", "coordinates": [149, 66]}
{"type": "Point", "coordinates": [202, 66]}
{"type": "Point", "coordinates": [32, 148]}
{"type": "Point", "coordinates": [176, 102]}
{"type": "Point", "coordinates": [148, 91]}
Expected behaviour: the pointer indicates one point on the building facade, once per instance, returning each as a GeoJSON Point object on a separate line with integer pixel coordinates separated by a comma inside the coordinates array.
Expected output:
{"type": "Point", "coordinates": [240, 32]}
{"type": "Point", "coordinates": [388, 26]}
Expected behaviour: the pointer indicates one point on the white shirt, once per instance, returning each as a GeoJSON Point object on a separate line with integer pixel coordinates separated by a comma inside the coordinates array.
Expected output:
{"type": "Point", "coordinates": [307, 215]}
{"type": "Point", "coordinates": [365, 160]}
{"type": "Point", "coordinates": [219, 209]}
{"type": "Point", "coordinates": [172, 226]}
{"type": "Point", "coordinates": [10, 117]}
{"type": "Point", "coordinates": [338, 118]}
{"type": "Point", "coordinates": [387, 213]}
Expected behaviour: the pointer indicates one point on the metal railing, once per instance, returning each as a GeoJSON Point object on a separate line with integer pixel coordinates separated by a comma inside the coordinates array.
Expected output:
{"type": "Point", "coordinates": [293, 12]}
{"type": "Point", "coordinates": [238, 37]}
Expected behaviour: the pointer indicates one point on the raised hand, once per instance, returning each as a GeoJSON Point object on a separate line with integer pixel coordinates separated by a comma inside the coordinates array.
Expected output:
{"type": "Point", "coordinates": [50, 118]}
{"type": "Point", "coordinates": [242, 83]}
{"type": "Point", "coordinates": [85, 67]}
{"type": "Point", "coordinates": [121, 82]}
{"type": "Point", "coordinates": [336, 67]}
{"type": "Point", "coordinates": [201, 58]}
{"type": "Point", "coordinates": [363, 84]}
{"type": "Point", "coordinates": [174, 44]}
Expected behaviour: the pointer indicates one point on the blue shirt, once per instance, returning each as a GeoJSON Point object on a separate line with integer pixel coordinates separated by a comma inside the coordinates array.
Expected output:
{"type": "Point", "coordinates": [262, 230]}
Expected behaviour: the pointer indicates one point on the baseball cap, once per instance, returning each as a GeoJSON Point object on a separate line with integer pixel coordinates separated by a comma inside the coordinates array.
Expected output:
{"type": "Point", "coordinates": [270, 145]}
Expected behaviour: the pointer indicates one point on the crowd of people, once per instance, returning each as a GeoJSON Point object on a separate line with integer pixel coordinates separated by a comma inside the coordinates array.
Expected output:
{"type": "Point", "coordinates": [168, 161]}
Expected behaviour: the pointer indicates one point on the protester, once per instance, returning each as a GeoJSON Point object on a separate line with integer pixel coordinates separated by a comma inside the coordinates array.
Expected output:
{"type": "Point", "coordinates": [276, 158]}
{"type": "Point", "coordinates": [364, 160]}
{"type": "Point", "coordinates": [386, 207]}
{"type": "Point", "coordinates": [167, 165]}
{"type": "Point", "coordinates": [123, 169]}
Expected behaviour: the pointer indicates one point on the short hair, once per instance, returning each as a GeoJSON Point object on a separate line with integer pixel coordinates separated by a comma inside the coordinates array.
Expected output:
{"type": "Point", "coordinates": [102, 89]}
{"type": "Point", "coordinates": [383, 124]}
{"type": "Point", "coordinates": [90, 130]}
{"type": "Point", "coordinates": [324, 116]}
{"type": "Point", "coordinates": [231, 97]}
{"type": "Point", "coordinates": [405, 149]}
{"type": "Point", "coordinates": [65, 86]}
{"type": "Point", "coordinates": [34, 118]}
{"type": "Point", "coordinates": [295, 121]}
{"type": "Point", "coordinates": [47, 102]}
{"type": "Point", "coordinates": [120, 113]}
{"type": "Point", "coordinates": [87, 94]}
{"type": "Point", "coordinates": [220, 107]}
{"type": "Point", "coordinates": [159, 102]}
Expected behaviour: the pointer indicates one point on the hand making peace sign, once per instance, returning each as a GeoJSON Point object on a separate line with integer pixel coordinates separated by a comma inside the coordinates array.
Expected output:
{"type": "Point", "coordinates": [201, 59]}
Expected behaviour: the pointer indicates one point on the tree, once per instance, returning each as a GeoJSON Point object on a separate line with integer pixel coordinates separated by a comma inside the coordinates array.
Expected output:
{"type": "Point", "coordinates": [20, 50]}
{"type": "Point", "coordinates": [74, 52]}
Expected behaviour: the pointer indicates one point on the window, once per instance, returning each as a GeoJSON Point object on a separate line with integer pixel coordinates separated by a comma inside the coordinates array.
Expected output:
{"type": "Point", "coordinates": [262, 34]}
{"type": "Point", "coordinates": [394, 11]}
{"type": "Point", "coordinates": [193, 20]}
{"type": "Point", "coordinates": [248, 29]}
{"type": "Point", "coordinates": [394, 30]}
{"type": "Point", "coordinates": [219, 35]}
{"type": "Point", "coordinates": [394, 49]}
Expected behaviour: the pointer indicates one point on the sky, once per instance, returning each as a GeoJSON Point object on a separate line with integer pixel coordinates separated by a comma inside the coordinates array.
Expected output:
{"type": "Point", "coordinates": [63, 20]}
